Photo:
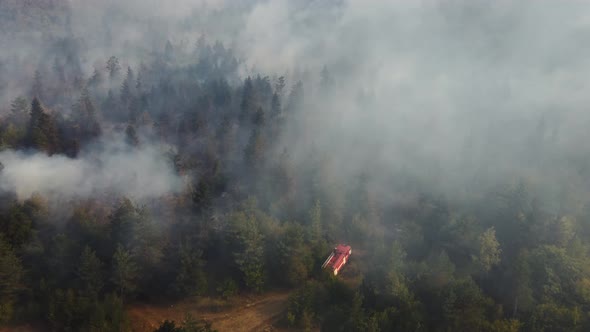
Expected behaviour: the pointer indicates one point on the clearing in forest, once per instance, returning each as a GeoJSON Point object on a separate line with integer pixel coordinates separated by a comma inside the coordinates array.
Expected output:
{"type": "Point", "coordinates": [254, 313]}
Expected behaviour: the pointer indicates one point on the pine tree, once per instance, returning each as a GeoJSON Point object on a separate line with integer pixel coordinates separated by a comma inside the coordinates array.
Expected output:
{"type": "Point", "coordinates": [248, 102]}
{"type": "Point", "coordinates": [254, 152]}
{"type": "Point", "coordinates": [37, 89]}
{"type": "Point", "coordinates": [280, 85]}
{"type": "Point", "coordinates": [190, 279]}
{"type": "Point", "coordinates": [85, 115]}
{"type": "Point", "coordinates": [124, 274]}
{"type": "Point", "coordinates": [140, 77]}
{"type": "Point", "coordinates": [90, 273]}
{"type": "Point", "coordinates": [96, 78]}
{"type": "Point", "coordinates": [296, 98]}
{"type": "Point", "coordinates": [315, 216]}
{"type": "Point", "coordinates": [19, 105]}
{"type": "Point", "coordinates": [275, 105]}
{"type": "Point", "coordinates": [126, 92]}
{"type": "Point", "coordinates": [113, 67]}
{"type": "Point", "coordinates": [249, 254]}
{"type": "Point", "coordinates": [11, 280]}
{"type": "Point", "coordinates": [489, 250]}
{"type": "Point", "coordinates": [131, 136]}
{"type": "Point", "coordinates": [258, 117]}
{"type": "Point", "coordinates": [42, 132]}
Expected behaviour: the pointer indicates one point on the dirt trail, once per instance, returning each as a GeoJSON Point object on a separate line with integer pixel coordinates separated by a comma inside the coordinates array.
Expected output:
{"type": "Point", "coordinates": [253, 314]}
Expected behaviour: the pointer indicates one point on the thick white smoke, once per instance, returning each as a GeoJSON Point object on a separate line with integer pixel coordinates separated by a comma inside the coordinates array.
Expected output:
{"type": "Point", "coordinates": [108, 167]}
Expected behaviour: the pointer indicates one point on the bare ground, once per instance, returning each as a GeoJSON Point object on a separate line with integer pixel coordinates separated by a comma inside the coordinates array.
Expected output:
{"type": "Point", "coordinates": [253, 313]}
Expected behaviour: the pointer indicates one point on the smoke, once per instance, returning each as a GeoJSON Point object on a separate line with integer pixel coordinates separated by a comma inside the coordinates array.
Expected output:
{"type": "Point", "coordinates": [446, 91]}
{"type": "Point", "coordinates": [106, 167]}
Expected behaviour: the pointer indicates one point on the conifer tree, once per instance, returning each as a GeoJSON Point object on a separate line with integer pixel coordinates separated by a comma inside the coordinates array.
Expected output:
{"type": "Point", "coordinates": [42, 132]}
{"type": "Point", "coordinates": [124, 274]}
{"type": "Point", "coordinates": [131, 136]}
{"type": "Point", "coordinates": [90, 273]}
{"type": "Point", "coordinates": [85, 115]}
{"type": "Point", "coordinates": [113, 67]}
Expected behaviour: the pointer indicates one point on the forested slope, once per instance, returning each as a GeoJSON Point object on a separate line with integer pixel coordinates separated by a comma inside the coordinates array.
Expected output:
{"type": "Point", "coordinates": [184, 172]}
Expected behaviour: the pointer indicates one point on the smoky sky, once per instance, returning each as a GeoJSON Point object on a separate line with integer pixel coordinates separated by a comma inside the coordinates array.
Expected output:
{"type": "Point", "coordinates": [451, 92]}
{"type": "Point", "coordinates": [448, 91]}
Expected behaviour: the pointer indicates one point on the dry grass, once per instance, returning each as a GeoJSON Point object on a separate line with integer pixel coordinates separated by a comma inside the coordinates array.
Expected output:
{"type": "Point", "coordinates": [249, 313]}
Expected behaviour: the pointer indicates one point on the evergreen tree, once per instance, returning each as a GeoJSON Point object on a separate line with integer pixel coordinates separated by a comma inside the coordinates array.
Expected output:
{"type": "Point", "coordinates": [296, 98]}
{"type": "Point", "coordinates": [96, 78]}
{"type": "Point", "coordinates": [489, 250]}
{"type": "Point", "coordinates": [190, 279]}
{"type": "Point", "coordinates": [11, 280]}
{"type": "Point", "coordinates": [249, 253]}
{"type": "Point", "coordinates": [42, 132]}
{"type": "Point", "coordinates": [315, 220]}
{"type": "Point", "coordinates": [37, 91]}
{"type": "Point", "coordinates": [248, 103]}
{"type": "Point", "coordinates": [85, 116]}
{"type": "Point", "coordinates": [90, 273]}
{"type": "Point", "coordinates": [258, 117]}
{"type": "Point", "coordinates": [113, 67]}
{"type": "Point", "coordinates": [126, 88]}
{"type": "Point", "coordinates": [125, 273]}
{"type": "Point", "coordinates": [19, 105]}
{"type": "Point", "coordinates": [254, 152]}
{"type": "Point", "coordinates": [131, 136]}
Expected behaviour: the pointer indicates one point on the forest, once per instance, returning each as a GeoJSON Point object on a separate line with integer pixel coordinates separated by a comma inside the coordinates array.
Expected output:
{"type": "Point", "coordinates": [157, 169]}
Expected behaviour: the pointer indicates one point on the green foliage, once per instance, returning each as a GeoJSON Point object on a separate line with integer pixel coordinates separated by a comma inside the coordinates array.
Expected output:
{"type": "Point", "coordinates": [315, 221]}
{"type": "Point", "coordinates": [19, 105]}
{"type": "Point", "coordinates": [464, 306]}
{"type": "Point", "coordinates": [305, 304]}
{"type": "Point", "coordinates": [562, 231]}
{"type": "Point", "coordinates": [42, 132]}
{"type": "Point", "coordinates": [506, 260]}
{"type": "Point", "coordinates": [11, 280]}
{"type": "Point", "coordinates": [90, 273]}
{"type": "Point", "coordinates": [17, 225]}
{"type": "Point", "coordinates": [191, 279]}
{"type": "Point", "coordinates": [70, 311]}
{"type": "Point", "coordinates": [505, 325]}
{"type": "Point", "coordinates": [254, 152]}
{"type": "Point", "coordinates": [293, 255]}
{"type": "Point", "coordinates": [555, 318]}
{"type": "Point", "coordinates": [189, 325]}
{"type": "Point", "coordinates": [85, 118]}
{"type": "Point", "coordinates": [202, 196]}
{"type": "Point", "coordinates": [248, 102]}
{"type": "Point", "coordinates": [11, 136]}
{"type": "Point", "coordinates": [133, 229]}
{"type": "Point", "coordinates": [489, 250]}
{"type": "Point", "coordinates": [168, 326]}
{"type": "Point", "coordinates": [249, 253]}
{"type": "Point", "coordinates": [227, 288]}
{"type": "Point", "coordinates": [125, 272]}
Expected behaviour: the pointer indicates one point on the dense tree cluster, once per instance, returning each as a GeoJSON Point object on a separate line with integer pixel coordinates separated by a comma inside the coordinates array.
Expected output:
{"type": "Point", "coordinates": [254, 217]}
